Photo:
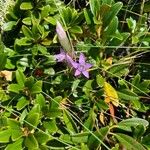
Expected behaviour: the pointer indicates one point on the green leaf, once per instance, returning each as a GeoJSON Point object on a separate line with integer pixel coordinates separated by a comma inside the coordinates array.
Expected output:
{"type": "Point", "coordinates": [94, 6]}
{"type": "Point", "coordinates": [118, 70]}
{"type": "Point", "coordinates": [35, 109]}
{"type": "Point", "coordinates": [5, 136]}
{"type": "Point", "coordinates": [16, 145]}
{"type": "Point", "coordinates": [23, 41]}
{"type": "Point", "coordinates": [50, 126]}
{"type": "Point", "coordinates": [127, 95]}
{"type": "Point", "coordinates": [37, 87]}
{"type": "Point", "coordinates": [89, 123]}
{"type": "Point", "coordinates": [87, 88]}
{"type": "Point", "coordinates": [45, 11]}
{"type": "Point", "coordinates": [26, 31]}
{"type": "Point", "coordinates": [3, 60]}
{"type": "Point", "coordinates": [9, 25]}
{"type": "Point", "coordinates": [3, 95]}
{"type": "Point", "coordinates": [138, 132]}
{"type": "Point", "coordinates": [111, 29]}
{"type": "Point", "coordinates": [100, 80]}
{"type": "Point", "coordinates": [40, 100]}
{"type": "Point", "coordinates": [23, 62]}
{"type": "Point", "coordinates": [71, 126]}
{"type": "Point", "coordinates": [20, 77]}
{"type": "Point", "coordinates": [146, 141]}
{"type": "Point", "coordinates": [87, 16]}
{"type": "Point", "coordinates": [74, 87]}
{"type": "Point", "coordinates": [132, 122]}
{"type": "Point", "coordinates": [16, 132]}
{"type": "Point", "coordinates": [42, 49]}
{"type": "Point", "coordinates": [131, 24]}
{"type": "Point", "coordinates": [128, 142]}
{"type": "Point", "coordinates": [41, 137]}
{"type": "Point", "coordinates": [51, 20]}
{"type": "Point", "coordinates": [66, 138]}
{"type": "Point", "coordinates": [109, 16]}
{"type": "Point", "coordinates": [31, 142]}
{"type": "Point", "coordinates": [16, 88]}
{"type": "Point", "coordinates": [76, 29]}
{"type": "Point", "coordinates": [22, 102]}
{"type": "Point", "coordinates": [80, 137]}
{"type": "Point", "coordinates": [49, 71]}
{"type": "Point", "coordinates": [94, 143]}
{"type": "Point", "coordinates": [136, 80]}
{"type": "Point", "coordinates": [33, 119]}
{"type": "Point", "coordinates": [26, 5]}
{"type": "Point", "coordinates": [3, 121]}
{"type": "Point", "coordinates": [27, 21]}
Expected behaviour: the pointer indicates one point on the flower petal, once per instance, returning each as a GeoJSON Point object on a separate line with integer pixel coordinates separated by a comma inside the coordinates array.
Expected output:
{"type": "Point", "coordinates": [87, 66]}
{"type": "Point", "coordinates": [60, 57]}
{"type": "Point", "coordinates": [85, 73]}
{"type": "Point", "coordinates": [60, 31]}
{"type": "Point", "coordinates": [77, 73]}
{"type": "Point", "coordinates": [82, 59]}
{"type": "Point", "coordinates": [74, 64]}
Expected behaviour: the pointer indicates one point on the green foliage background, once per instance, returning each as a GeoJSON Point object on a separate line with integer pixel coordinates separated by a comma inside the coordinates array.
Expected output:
{"type": "Point", "coordinates": [44, 106]}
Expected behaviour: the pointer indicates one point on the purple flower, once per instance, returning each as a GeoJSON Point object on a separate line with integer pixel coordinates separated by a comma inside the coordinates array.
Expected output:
{"type": "Point", "coordinates": [62, 56]}
{"type": "Point", "coordinates": [63, 39]}
{"type": "Point", "coordinates": [81, 67]}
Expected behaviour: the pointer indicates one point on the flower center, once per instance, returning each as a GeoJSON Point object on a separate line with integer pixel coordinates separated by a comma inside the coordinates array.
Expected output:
{"type": "Point", "coordinates": [81, 67]}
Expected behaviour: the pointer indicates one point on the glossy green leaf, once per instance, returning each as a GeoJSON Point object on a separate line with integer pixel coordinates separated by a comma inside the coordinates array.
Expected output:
{"type": "Point", "coordinates": [89, 123]}
{"type": "Point", "coordinates": [27, 21]}
{"type": "Point", "coordinates": [138, 132]}
{"type": "Point", "coordinates": [37, 87]}
{"type": "Point", "coordinates": [9, 25]}
{"type": "Point", "coordinates": [5, 136]}
{"type": "Point", "coordinates": [128, 142]}
{"type": "Point", "coordinates": [50, 126]}
{"type": "Point", "coordinates": [3, 95]}
{"type": "Point", "coordinates": [3, 121]}
{"type": "Point", "coordinates": [76, 29]}
{"type": "Point", "coordinates": [80, 137]}
{"type": "Point", "coordinates": [20, 77]}
{"type": "Point", "coordinates": [127, 95]}
{"type": "Point", "coordinates": [3, 60]}
{"type": "Point", "coordinates": [16, 145]}
{"type": "Point", "coordinates": [94, 143]}
{"type": "Point", "coordinates": [45, 11]}
{"type": "Point", "coordinates": [100, 80]}
{"type": "Point", "coordinates": [118, 70]}
{"type": "Point", "coordinates": [40, 100]}
{"type": "Point", "coordinates": [26, 31]}
{"type": "Point", "coordinates": [26, 5]}
{"type": "Point", "coordinates": [35, 109]}
{"type": "Point", "coordinates": [16, 88]}
{"type": "Point", "coordinates": [95, 6]}
{"type": "Point", "coordinates": [22, 102]}
{"type": "Point", "coordinates": [70, 123]}
{"type": "Point", "coordinates": [111, 29]}
{"type": "Point", "coordinates": [87, 88]}
{"type": "Point", "coordinates": [31, 142]}
{"type": "Point", "coordinates": [87, 16]}
{"type": "Point", "coordinates": [23, 41]}
{"type": "Point", "coordinates": [132, 122]}
{"type": "Point", "coordinates": [146, 141]}
{"type": "Point", "coordinates": [109, 16]}
{"type": "Point", "coordinates": [41, 137]}
{"type": "Point", "coordinates": [16, 132]}
{"type": "Point", "coordinates": [33, 120]}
